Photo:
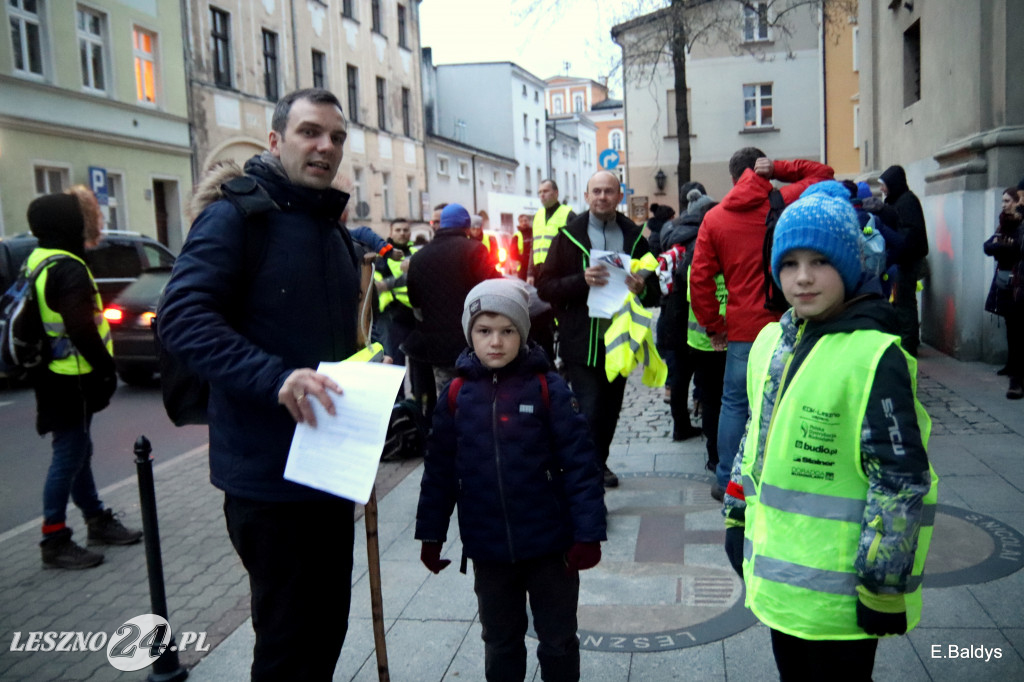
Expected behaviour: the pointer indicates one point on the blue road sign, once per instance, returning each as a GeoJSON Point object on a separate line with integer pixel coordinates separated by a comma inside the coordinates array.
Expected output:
{"type": "Point", "coordinates": [608, 159]}
{"type": "Point", "coordinates": [98, 184]}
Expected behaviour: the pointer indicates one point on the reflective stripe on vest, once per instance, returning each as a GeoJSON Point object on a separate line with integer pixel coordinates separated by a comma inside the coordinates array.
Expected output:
{"type": "Point", "coordinates": [544, 231]}
{"type": "Point", "coordinates": [696, 335]}
{"type": "Point", "coordinates": [66, 359]}
{"type": "Point", "coordinates": [629, 342]}
{"type": "Point", "coordinates": [804, 518]}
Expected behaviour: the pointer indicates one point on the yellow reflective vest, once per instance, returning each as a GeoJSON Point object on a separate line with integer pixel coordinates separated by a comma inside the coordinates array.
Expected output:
{"type": "Point", "coordinates": [66, 358]}
{"type": "Point", "coordinates": [804, 516]}
{"type": "Point", "coordinates": [372, 353]}
{"type": "Point", "coordinates": [696, 335]}
{"type": "Point", "coordinates": [399, 290]}
{"type": "Point", "coordinates": [629, 342]}
{"type": "Point", "coordinates": [545, 230]}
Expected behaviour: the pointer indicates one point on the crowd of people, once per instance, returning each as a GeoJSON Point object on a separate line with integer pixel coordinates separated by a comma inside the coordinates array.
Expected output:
{"type": "Point", "coordinates": [523, 385]}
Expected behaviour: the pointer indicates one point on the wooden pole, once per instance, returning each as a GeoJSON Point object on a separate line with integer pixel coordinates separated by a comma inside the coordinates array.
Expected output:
{"type": "Point", "coordinates": [376, 597]}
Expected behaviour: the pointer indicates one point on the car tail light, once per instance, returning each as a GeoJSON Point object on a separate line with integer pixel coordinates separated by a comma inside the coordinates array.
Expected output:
{"type": "Point", "coordinates": [113, 315]}
{"type": "Point", "coordinates": [146, 319]}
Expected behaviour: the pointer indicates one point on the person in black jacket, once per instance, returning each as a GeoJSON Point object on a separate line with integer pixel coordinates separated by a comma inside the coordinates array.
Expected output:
{"type": "Point", "coordinates": [78, 379]}
{"type": "Point", "coordinates": [511, 449]}
{"type": "Point", "coordinates": [266, 287]}
{"type": "Point", "coordinates": [439, 277]}
{"type": "Point", "coordinates": [1007, 247]}
{"type": "Point", "coordinates": [565, 282]}
{"type": "Point", "coordinates": [905, 212]}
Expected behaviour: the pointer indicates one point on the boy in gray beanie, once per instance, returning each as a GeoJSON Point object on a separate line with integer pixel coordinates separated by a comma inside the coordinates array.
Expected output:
{"type": "Point", "coordinates": [511, 449]}
{"type": "Point", "coordinates": [837, 440]}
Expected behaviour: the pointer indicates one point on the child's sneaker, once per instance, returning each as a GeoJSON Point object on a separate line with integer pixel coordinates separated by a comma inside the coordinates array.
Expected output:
{"type": "Point", "coordinates": [106, 529]}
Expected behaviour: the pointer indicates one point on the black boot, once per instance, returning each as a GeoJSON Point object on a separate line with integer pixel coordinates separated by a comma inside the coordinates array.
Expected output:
{"type": "Point", "coordinates": [1016, 390]}
{"type": "Point", "coordinates": [106, 529]}
{"type": "Point", "coordinates": [60, 551]}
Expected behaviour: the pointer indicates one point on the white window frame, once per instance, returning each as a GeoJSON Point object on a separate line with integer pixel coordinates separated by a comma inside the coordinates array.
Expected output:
{"type": "Point", "coordinates": [578, 102]}
{"type": "Point", "coordinates": [856, 126]}
{"type": "Point", "coordinates": [442, 165]}
{"type": "Point", "coordinates": [357, 188]}
{"type": "Point", "coordinates": [510, 178]}
{"type": "Point", "coordinates": [496, 178]}
{"type": "Point", "coordinates": [17, 14]}
{"type": "Point", "coordinates": [385, 194]}
{"type": "Point", "coordinates": [752, 27]}
{"type": "Point", "coordinates": [410, 188]}
{"type": "Point", "coordinates": [526, 176]}
{"type": "Point", "coordinates": [87, 40]}
{"type": "Point", "coordinates": [615, 140]}
{"type": "Point", "coordinates": [115, 209]}
{"type": "Point", "coordinates": [855, 37]}
{"type": "Point", "coordinates": [463, 169]}
{"type": "Point", "coordinates": [557, 104]}
{"type": "Point", "coordinates": [62, 172]}
{"type": "Point", "coordinates": [758, 97]}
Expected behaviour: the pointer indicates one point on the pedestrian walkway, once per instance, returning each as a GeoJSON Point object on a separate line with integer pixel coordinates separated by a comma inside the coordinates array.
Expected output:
{"type": "Point", "coordinates": [662, 605]}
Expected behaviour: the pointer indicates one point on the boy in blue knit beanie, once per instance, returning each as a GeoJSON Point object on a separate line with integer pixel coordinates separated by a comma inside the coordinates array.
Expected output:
{"type": "Point", "coordinates": [830, 506]}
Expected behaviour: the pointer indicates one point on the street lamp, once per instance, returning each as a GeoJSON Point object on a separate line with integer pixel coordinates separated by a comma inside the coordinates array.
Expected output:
{"type": "Point", "coordinates": [659, 180]}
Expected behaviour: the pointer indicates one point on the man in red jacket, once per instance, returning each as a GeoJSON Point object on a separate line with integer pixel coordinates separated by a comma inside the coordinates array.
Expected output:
{"type": "Point", "coordinates": [730, 242]}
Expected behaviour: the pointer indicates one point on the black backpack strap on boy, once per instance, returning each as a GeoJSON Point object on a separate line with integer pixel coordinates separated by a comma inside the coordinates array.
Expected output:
{"type": "Point", "coordinates": [773, 297]}
{"type": "Point", "coordinates": [185, 394]}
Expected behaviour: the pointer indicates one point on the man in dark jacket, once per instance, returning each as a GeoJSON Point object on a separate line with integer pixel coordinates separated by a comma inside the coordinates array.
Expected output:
{"type": "Point", "coordinates": [440, 275]}
{"type": "Point", "coordinates": [565, 282]}
{"type": "Point", "coordinates": [76, 382]}
{"type": "Point", "coordinates": [906, 213]}
{"type": "Point", "coordinates": [256, 322]}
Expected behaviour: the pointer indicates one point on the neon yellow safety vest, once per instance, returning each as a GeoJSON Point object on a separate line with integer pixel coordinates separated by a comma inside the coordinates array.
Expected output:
{"type": "Point", "coordinates": [629, 342]}
{"type": "Point", "coordinates": [66, 358]}
{"type": "Point", "coordinates": [804, 515]}
{"type": "Point", "coordinates": [696, 335]}
{"type": "Point", "coordinates": [545, 230]}
{"type": "Point", "coordinates": [399, 292]}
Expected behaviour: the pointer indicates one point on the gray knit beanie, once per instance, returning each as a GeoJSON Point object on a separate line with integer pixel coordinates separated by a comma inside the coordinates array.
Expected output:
{"type": "Point", "coordinates": [501, 296]}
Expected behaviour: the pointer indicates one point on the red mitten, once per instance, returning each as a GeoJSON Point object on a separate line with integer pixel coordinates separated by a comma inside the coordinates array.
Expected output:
{"type": "Point", "coordinates": [430, 555]}
{"type": "Point", "coordinates": [583, 555]}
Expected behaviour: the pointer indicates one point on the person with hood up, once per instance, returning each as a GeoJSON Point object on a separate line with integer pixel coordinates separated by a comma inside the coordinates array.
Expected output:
{"type": "Point", "coordinates": [902, 211]}
{"type": "Point", "coordinates": [77, 380]}
{"type": "Point", "coordinates": [831, 501]}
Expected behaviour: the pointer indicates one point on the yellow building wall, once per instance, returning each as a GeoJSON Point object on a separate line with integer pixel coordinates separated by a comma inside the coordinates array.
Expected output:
{"type": "Point", "coordinates": [841, 97]}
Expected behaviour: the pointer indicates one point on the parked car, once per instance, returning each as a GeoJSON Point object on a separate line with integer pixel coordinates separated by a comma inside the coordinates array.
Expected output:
{"type": "Point", "coordinates": [131, 318]}
{"type": "Point", "coordinates": [115, 262]}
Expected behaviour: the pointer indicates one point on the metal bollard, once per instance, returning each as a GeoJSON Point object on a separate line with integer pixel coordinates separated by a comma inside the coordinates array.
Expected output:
{"type": "Point", "coordinates": [166, 668]}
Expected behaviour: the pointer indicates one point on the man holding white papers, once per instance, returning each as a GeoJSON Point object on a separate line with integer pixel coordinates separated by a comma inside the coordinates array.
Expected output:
{"type": "Point", "coordinates": [565, 282]}
{"type": "Point", "coordinates": [266, 287]}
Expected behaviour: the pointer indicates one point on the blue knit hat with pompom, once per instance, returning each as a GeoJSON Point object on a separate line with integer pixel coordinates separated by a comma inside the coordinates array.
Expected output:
{"type": "Point", "coordinates": [821, 220]}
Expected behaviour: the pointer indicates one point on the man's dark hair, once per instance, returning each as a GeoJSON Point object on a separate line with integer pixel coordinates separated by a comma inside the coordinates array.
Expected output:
{"type": "Point", "coordinates": [554, 185]}
{"type": "Point", "coordinates": [742, 160]}
{"type": "Point", "coordinates": [440, 207]}
{"type": "Point", "coordinates": [284, 105]}
{"type": "Point", "coordinates": [396, 221]}
{"type": "Point", "coordinates": [851, 187]}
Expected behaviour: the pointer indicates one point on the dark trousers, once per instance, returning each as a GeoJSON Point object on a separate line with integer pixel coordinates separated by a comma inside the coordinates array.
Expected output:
{"type": "Point", "coordinates": [299, 559]}
{"type": "Point", "coordinates": [708, 376]}
{"type": "Point", "coordinates": [679, 382]}
{"type": "Point", "coordinates": [501, 591]}
{"type": "Point", "coordinates": [600, 402]}
{"type": "Point", "coordinates": [424, 391]}
{"type": "Point", "coordinates": [804, 660]}
{"type": "Point", "coordinates": [1015, 343]}
{"type": "Point", "coordinates": [904, 300]}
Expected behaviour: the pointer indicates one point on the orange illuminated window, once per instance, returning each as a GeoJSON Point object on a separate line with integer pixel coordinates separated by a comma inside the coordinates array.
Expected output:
{"type": "Point", "coordinates": [144, 44]}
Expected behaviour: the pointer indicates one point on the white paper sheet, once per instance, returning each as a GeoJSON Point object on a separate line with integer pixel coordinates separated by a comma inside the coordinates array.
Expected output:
{"type": "Point", "coordinates": [604, 302]}
{"type": "Point", "coordinates": [340, 456]}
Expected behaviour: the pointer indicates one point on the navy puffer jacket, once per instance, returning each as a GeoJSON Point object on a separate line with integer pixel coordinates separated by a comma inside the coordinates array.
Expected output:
{"type": "Point", "coordinates": [246, 326]}
{"type": "Point", "coordinates": [524, 474]}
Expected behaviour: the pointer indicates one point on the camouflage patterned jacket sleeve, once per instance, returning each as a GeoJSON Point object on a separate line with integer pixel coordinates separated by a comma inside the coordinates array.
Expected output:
{"type": "Point", "coordinates": [896, 464]}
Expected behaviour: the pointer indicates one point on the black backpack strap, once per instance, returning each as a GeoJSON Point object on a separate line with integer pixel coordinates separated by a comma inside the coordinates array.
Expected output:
{"type": "Point", "coordinates": [773, 298]}
{"type": "Point", "coordinates": [248, 196]}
